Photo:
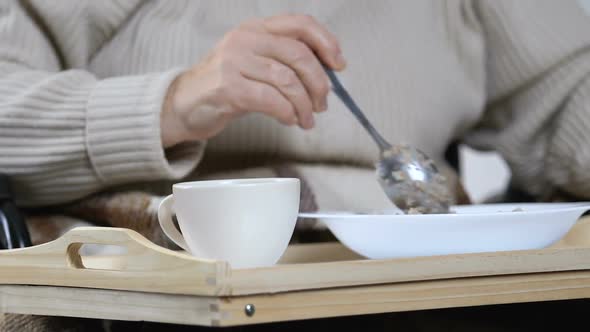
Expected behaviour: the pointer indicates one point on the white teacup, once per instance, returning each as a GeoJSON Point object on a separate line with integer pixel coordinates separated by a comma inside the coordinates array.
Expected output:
{"type": "Point", "coordinates": [246, 222]}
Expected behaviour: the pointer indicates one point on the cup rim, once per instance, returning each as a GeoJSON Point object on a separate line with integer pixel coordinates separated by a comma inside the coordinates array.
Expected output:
{"type": "Point", "coordinates": [241, 182]}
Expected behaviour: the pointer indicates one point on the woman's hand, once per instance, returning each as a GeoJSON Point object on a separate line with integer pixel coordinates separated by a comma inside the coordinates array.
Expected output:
{"type": "Point", "coordinates": [268, 66]}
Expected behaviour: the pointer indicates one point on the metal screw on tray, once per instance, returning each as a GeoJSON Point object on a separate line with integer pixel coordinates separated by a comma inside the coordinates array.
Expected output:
{"type": "Point", "coordinates": [250, 309]}
{"type": "Point", "coordinates": [408, 176]}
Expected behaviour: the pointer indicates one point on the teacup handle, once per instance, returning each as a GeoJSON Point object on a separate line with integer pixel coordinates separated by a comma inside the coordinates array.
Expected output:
{"type": "Point", "coordinates": [165, 220]}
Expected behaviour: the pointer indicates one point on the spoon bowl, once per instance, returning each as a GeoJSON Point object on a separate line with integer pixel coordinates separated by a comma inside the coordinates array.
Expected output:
{"type": "Point", "coordinates": [412, 181]}
{"type": "Point", "coordinates": [409, 178]}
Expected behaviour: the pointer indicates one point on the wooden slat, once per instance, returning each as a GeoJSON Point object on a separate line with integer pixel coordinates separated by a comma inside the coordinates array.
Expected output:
{"type": "Point", "coordinates": [148, 267]}
{"type": "Point", "coordinates": [109, 304]}
{"type": "Point", "coordinates": [570, 254]}
{"type": "Point", "coordinates": [406, 297]}
{"type": "Point", "coordinates": [369, 272]}
{"type": "Point", "coordinates": [318, 253]}
{"type": "Point", "coordinates": [145, 267]}
{"type": "Point", "coordinates": [229, 311]}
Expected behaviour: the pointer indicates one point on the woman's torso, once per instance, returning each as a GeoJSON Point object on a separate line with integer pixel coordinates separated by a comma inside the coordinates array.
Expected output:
{"type": "Point", "coordinates": [414, 66]}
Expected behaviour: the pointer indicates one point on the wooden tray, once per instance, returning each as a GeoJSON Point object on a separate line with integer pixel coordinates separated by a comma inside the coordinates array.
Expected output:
{"type": "Point", "coordinates": [317, 280]}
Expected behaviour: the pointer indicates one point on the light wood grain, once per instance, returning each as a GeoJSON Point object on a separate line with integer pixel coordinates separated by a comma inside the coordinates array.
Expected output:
{"type": "Point", "coordinates": [229, 311]}
{"type": "Point", "coordinates": [318, 253]}
{"type": "Point", "coordinates": [578, 236]}
{"type": "Point", "coordinates": [148, 267]}
{"type": "Point", "coordinates": [407, 296]}
{"type": "Point", "coordinates": [109, 304]}
{"type": "Point", "coordinates": [303, 273]}
{"type": "Point", "coordinates": [145, 267]}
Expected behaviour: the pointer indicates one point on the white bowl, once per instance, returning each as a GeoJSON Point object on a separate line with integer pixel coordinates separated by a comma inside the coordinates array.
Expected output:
{"type": "Point", "coordinates": [471, 229]}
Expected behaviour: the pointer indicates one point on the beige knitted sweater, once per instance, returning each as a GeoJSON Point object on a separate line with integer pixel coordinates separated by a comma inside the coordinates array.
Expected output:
{"type": "Point", "coordinates": [82, 84]}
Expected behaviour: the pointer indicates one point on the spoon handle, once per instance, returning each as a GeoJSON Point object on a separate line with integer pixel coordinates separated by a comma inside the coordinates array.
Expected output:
{"type": "Point", "coordinates": [352, 106]}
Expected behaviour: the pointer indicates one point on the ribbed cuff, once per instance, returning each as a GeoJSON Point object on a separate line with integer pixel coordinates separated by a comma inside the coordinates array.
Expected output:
{"type": "Point", "coordinates": [123, 131]}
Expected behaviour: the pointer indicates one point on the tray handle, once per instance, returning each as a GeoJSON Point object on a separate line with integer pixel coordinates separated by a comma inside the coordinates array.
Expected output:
{"type": "Point", "coordinates": [141, 254]}
{"type": "Point", "coordinates": [145, 267]}
{"type": "Point", "coordinates": [63, 253]}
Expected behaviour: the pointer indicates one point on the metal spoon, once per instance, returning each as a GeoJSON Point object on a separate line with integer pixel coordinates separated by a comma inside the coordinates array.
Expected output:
{"type": "Point", "coordinates": [408, 176]}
